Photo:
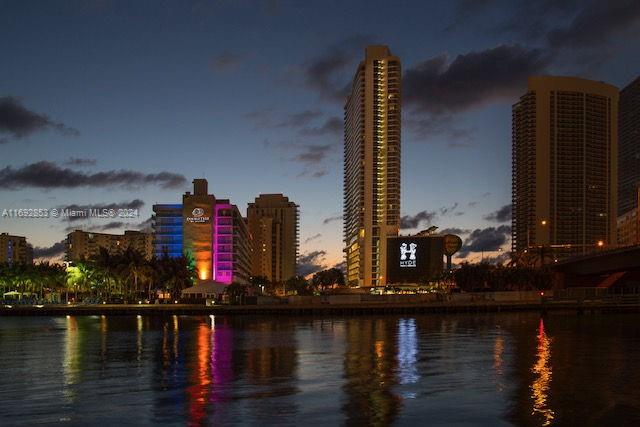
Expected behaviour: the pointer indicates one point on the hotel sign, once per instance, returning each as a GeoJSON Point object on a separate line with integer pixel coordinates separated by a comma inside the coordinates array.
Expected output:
{"type": "Point", "coordinates": [198, 217]}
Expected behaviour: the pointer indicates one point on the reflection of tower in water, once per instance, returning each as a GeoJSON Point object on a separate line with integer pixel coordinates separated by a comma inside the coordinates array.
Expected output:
{"type": "Point", "coordinates": [211, 370]}
{"type": "Point", "coordinates": [369, 367]}
{"type": "Point", "coordinates": [542, 370]}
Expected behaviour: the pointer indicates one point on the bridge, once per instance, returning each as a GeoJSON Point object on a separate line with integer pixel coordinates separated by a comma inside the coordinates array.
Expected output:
{"type": "Point", "coordinates": [615, 268]}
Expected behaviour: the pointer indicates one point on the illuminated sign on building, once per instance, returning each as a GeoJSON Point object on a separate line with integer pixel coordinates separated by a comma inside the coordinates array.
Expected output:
{"type": "Point", "coordinates": [414, 259]}
{"type": "Point", "coordinates": [409, 250]}
{"type": "Point", "coordinates": [198, 217]}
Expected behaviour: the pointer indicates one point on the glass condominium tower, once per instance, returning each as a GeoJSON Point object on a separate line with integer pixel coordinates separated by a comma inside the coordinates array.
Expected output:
{"type": "Point", "coordinates": [371, 166]}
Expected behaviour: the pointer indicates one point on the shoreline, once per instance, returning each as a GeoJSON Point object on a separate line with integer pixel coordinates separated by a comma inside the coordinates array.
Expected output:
{"type": "Point", "coordinates": [578, 307]}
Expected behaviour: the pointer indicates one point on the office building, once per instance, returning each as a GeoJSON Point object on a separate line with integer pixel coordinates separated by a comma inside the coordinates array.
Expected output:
{"type": "Point", "coordinates": [565, 165]}
{"type": "Point", "coordinates": [84, 245]}
{"type": "Point", "coordinates": [211, 231]}
{"type": "Point", "coordinates": [629, 147]}
{"type": "Point", "coordinates": [273, 223]}
{"type": "Point", "coordinates": [371, 166]}
{"type": "Point", "coordinates": [15, 250]}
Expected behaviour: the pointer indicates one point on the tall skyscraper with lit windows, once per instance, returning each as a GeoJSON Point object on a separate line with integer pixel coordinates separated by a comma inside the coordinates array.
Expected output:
{"type": "Point", "coordinates": [565, 165]}
{"type": "Point", "coordinates": [371, 166]}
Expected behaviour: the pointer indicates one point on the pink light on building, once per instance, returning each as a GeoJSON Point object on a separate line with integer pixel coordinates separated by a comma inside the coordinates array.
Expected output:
{"type": "Point", "coordinates": [223, 244]}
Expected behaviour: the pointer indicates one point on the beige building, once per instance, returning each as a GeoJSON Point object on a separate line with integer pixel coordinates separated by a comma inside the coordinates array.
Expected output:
{"type": "Point", "coordinates": [564, 165]}
{"type": "Point", "coordinates": [273, 223]}
{"type": "Point", "coordinates": [15, 250]}
{"type": "Point", "coordinates": [86, 245]}
{"type": "Point", "coordinates": [371, 166]}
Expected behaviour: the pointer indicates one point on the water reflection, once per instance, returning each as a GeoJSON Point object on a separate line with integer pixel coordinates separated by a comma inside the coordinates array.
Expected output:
{"type": "Point", "coordinates": [71, 360]}
{"type": "Point", "coordinates": [407, 352]}
{"type": "Point", "coordinates": [369, 365]}
{"type": "Point", "coordinates": [541, 384]}
{"type": "Point", "coordinates": [220, 370]}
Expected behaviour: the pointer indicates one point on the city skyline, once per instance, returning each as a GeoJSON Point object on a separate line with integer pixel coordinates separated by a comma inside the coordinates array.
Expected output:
{"type": "Point", "coordinates": [153, 109]}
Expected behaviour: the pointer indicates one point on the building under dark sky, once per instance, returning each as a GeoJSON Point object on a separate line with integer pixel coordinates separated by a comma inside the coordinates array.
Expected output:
{"type": "Point", "coordinates": [565, 164]}
{"type": "Point", "coordinates": [629, 147]}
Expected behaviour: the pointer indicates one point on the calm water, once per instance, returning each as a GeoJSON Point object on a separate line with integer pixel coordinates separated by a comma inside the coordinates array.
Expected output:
{"type": "Point", "coordinates": [504, 369]}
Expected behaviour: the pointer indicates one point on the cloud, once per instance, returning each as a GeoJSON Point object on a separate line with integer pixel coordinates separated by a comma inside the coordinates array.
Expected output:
{"type": "Point", "coordinates": [301, 122]}
{"type": "Point", "coordinates": [486, 239]}
{"type": "Point", "coordinates": [448, 210]}
{"type": "Point", "coordinates": [74, 161]}
{"type": "Point", "coordinates": [312, 238]}
{"type": "Point", "coordinates": [311, 262]}
{"type": "Point", "coordinates": [413, 221]}
{"type": "Point", "coordinates": [332, 219]}
{"type": "Point", "coordinates": [439, 86]}
{"type": "Point", "coordinates": [454, 230]}
{"type": "Point", "coordinates": [596, 23]}
{"type": "Point", "coordinates": [226, 61]}
{"type": "Point", "coordinates": [331, 126]}
{"type": "Point", "coordinates": [342, 266]}
{"type": "Point", "coordinates": [299, 119]}
{"type": "Point", "coordinates": [133, 204]}
{"type": "Point", "coordinates": [501, 215]}
{"type": "Point", "coordinates": [48, 175]}
{"type": "Point", "coordinates": [313, 154]}
{"type": "Point", "coordinates": [53, 251]}
{"type": "Point", "coordinates": [19, 122]}
{"type": "Point", "coordinates": [330, 73]}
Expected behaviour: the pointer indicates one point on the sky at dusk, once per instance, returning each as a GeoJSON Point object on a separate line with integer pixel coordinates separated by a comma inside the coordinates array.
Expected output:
{"type": "Point", "coordinates": [123, 103]}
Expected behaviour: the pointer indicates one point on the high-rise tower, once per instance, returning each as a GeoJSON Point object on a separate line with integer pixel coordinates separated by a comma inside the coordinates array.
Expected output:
{"type": "Point", "coordinates": [565, 165]}
{"type": "Point", "coordinates": [629, 156]}
{"type": "Point", "coordinates": [371, 165]}
{"type": "Point", "coordinates": [273, 223]}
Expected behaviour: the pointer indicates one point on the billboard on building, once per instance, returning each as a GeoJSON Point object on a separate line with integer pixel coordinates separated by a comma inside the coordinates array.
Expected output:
{"type": "Point", "coordinates": [414, 259]}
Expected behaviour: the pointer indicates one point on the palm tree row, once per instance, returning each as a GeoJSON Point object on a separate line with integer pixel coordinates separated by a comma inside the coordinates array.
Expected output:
{"type": "Point", "coordinates": [126, 276]}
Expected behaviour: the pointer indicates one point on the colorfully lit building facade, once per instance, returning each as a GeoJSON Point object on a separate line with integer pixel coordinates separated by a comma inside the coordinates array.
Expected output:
{"type": "Point", "coordinates": [83, 245]}
{"type": "Point", "coordinates": [273, 223]}
{"type": "Point", "coordinates": [565, 165]}
{"type": "Point", "coordinates": [629, 153]}
{"type": "Point", "coordinates": [371, 166]}
{"type": "Point", "coordinates": [209, 230]}
{"type": "Point", "coordinates": [15, 250]}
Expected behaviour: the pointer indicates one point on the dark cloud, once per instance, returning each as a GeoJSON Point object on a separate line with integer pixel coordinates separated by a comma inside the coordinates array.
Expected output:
{"type": "Point", "coordinates": [19, 122]}
{"type": "Point", "coordinates": [312, 238]}
{"type": "Point", "coordinates": [226, 61]}
{"type": "Point", "coordinates": [501, 215]}
{"type": "Point", "coordinates": [300, 119]}
{"type": "Point", "coordinates": [413, 221]}
{"type": "Point", "coordinates": [53, 251]}
{"type": "Point", "coordinates": [454, 230]}
{"type": "Point", "coordinates": [330, 73]}
{"type": "Point", "coordinates": [74, 161]}
{"type": "Point", "coordinates": [437, 86]}
{"type": "Point", "coordinates": [145, 226]}
{"type": "Point", "coordinates": [331, 126]}
{"type": "Point", "coordinates": [596, 23]}
{"type": "Point", "coordinates": [342, 266]}
{"type": "Point", "coordinates": [448, 210]}
{"type": "Point", "coordinates": [332, 219]}
{"type": "Point", "coordinates": [313, 153]}
{"type": "Point", "coordinates": [48, 175]}
{"type": "Point", "coordinates": [133, 204]}
{"type": "Point", "coordinates": [311, 262]}
{"type": "Point", "coordinates": [486, 239]}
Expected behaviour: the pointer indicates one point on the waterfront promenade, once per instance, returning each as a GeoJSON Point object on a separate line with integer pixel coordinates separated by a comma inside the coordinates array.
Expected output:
{"type": "Point", "coordinates": [400, 304]}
